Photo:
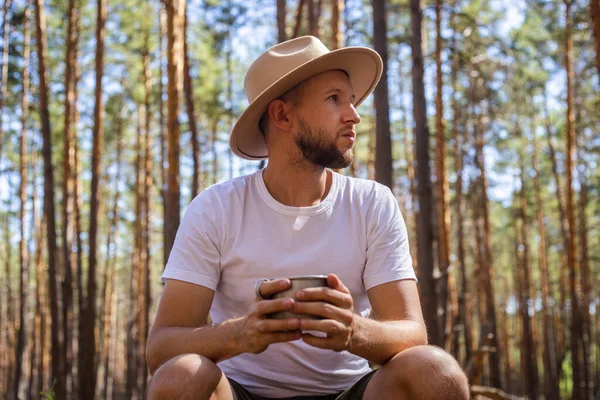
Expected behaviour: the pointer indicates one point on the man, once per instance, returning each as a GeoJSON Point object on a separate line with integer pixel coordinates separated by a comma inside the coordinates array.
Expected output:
{"type": "Point", "coordinates": [296, 217]}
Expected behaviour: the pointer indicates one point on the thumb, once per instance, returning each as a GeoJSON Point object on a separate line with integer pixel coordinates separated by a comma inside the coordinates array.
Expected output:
{"type": "Point", "coordinates": [334, 282]}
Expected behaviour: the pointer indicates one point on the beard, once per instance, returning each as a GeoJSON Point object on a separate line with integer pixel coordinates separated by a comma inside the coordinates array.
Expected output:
{"type": "Point", "coordinates": [319, 148]}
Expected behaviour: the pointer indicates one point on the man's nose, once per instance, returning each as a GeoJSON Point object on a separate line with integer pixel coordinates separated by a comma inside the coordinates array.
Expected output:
{"type": "Point", "coordinates": [352, 115]}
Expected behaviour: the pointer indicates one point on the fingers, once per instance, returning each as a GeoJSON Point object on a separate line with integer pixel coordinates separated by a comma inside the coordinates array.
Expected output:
{"type": "Point", "coordinates": [324, 310]}
{"type": "Point", "coordinates": [269, 287]}
{"type": "Point", "coordinates": [328, 326]}
{"type": "Point", "coordinates": [278, 325]}
{"type": "Point", "coordinates": [315, 341]}
{"type": "Point", "coordinates": [329, 295]}
{"type": "Point", "coordinates": [281, 337]}
{"type": "Point", "coordinates": [336, 283]}
{"type": "Point", "coordinates": [272, 306]}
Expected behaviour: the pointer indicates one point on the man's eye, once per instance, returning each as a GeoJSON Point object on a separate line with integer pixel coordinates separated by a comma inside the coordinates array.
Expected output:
{"type": "Point", "coordinates": [334, 97]}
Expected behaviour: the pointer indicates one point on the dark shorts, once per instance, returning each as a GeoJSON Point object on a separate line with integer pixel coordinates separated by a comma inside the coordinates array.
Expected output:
{"type": "Point", "coordinates": [355, 392]}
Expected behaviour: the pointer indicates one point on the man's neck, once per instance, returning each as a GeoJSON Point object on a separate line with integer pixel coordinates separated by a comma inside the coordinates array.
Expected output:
{"type": "Point", "coordinates": [297, 185]}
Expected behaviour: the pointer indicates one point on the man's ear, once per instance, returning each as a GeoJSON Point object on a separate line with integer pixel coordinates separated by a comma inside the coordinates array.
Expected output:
{"type": "Point", "coordinates": [279, 113]}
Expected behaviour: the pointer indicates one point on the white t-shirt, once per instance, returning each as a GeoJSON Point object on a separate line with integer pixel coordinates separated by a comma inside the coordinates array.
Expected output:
{"type": "Point", "coordinates": [235, 232]}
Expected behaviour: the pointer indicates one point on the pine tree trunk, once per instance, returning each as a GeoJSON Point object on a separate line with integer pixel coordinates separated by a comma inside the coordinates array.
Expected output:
{"type": "Point", "coordinates": [215, 159]}
{"type": "Point", "coordinates": [133, 324]}
{"type": "Point", "coordinates": [111, 243]}
{"type": "Point", "coordinates": [463, 297]}
{"type": "Point", "coordinates": [299, 14]}
{"type": "Point", "coordinates": [67, 185]}
{"type": "Point", "coordinates": [189, 102]}
{"type": "Point", "coordinates": [10, 310]}
{"type": "Point", "coordinates": [441, 186]}
{"type": "Point", "coordinates": [563, 284]}
{"type": "Point", "coordinates": [372, 145]}
{"type": "Point", "coordinates": [40, 309]}
{"type": "Point", "coordinates": [487, 264]}
{"type": "Point", "coordinates": [58, 372]}
{"type": "Point", "coordinates": [383, 144]}
{"type": "Point", "coordinates": [77, 231]}
{"type": "Point", "coordinates": [595, 14]}
{"type": "Point", "coordinates": [24, 271]}
{"type": "Point", "coordinates": [175, 16]}
{"type": "Point", "coordinates": [423, 174]}
{"type": "Point", "coordinates": [586, 333]}
{"type": "Point", "coordinates": [34, 367]}
{"type": "Point", "coordinates": [518, 281]}
{"type": "Point", "coordinates": [410, 163]}
{"type": "Point", "coordinates": [574, 289]}
{"type": "Point", "coordinates": [337, 8]}
{"type": "Point", "coordinates": [87, 377]}
{"type": "Point", "coordinates": [281, 11]}
{"type": "Point", "coordinates": [313, 18]}
{"type": "Point", "coordinates": [550, 372]}
{"type": "Point", "coordinates": [162, 131]}
{"type": "Point", "coordinates": [508, 367]}
{"type": "Point", "coordinates": [528, 344]}
{"type": "Point", "coordinates": [229, 71]}
{"type": "Point", "coordinates": [145, 297]}
{"type": "Point", "coordinates": [479, 298]}
{"type": "Point", "coordinates": [4, 69]}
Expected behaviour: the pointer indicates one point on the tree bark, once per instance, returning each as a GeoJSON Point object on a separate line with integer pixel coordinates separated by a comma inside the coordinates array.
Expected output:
{"type": "Point", "coordinates": [67, 183]}
{"type": "Point", "coordinates": [87, 377]}
{"type": "Point", "coordinates": [337, 9]}
{"type": "Point", "coordinates": [111, 254]}
{"type": "Point", "coordinates": [189, 102]}
{"type": "Point", "coordinates": [133, 356]}
{"type": "Point", "coordinates": [299, 14]}
{"type": "Point", "coordinates": [464, 293]}
{"type": "Point", "coordinates": [528, 343]}
{"type": "Point", "coordinates": [213, 139]}
{"type": "Point", "coordinates": [443, 199]}
{"type": "Point", "coordinates": [58, 372]}
{"type": "Point", "coordinates": [410, 163]}
{"type": "Point", "coordinates": [563, 284]}
{"type": "Point", "coordinates": [487, 261]}
{"type": "Point", "coordinates": [162, 131]}
{"type": "Point", "coordinates": [10, 310]}
{"type": "Point", "coordinates": [23, 262]}
{"type": "Point", "coordinates": [313, 17]}
{"type": "Point", "coordinates": [586, 299]}
{"type": "Point", "coordinates": [550, 372]}
{"type": "Point", "coordinates": [281, 11]}
{"type": "Point", "coordinates": [175, 15]}
{"type": "Point", "coordinates": [574, 288]}
{"type": "Point", "coordinates": [145, 297]}
{"type": "Point", "coordinates": [77, 232]}
{"type": "Point", "coordinates": [35, 368]}
{"type": "Point", "coordinates": [423, 174]}
{"type": "Point", "coordinates": [383, 146]}
{"type": "Point", "coordinates": [4, 69]}
{"type": "Point", "coordinates": [595, 14]}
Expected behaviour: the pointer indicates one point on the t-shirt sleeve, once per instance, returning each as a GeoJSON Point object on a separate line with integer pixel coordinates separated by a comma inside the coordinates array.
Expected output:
{"type": "Point", "coordinates": [195, 256]}
{"type": "Point", "coordinates": [388, 256]}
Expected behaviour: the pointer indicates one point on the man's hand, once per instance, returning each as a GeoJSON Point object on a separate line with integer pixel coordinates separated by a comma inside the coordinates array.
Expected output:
{"type": "Point", "coordinates": [257, 332]}
{"type": "Point", "coordinates": [335, 305]}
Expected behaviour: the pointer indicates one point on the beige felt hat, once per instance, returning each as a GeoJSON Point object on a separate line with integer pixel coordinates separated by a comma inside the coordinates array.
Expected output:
{"type": "Point", "coordinates": [284, 66]}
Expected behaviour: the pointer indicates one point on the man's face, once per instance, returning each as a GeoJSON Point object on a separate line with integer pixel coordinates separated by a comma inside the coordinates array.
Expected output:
{"type": "Point", "coordinates": [326, 118]}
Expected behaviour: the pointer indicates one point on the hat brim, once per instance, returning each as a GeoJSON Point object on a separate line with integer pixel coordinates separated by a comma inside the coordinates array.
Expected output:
{"type": "Point", "coordinates": [362, 64]}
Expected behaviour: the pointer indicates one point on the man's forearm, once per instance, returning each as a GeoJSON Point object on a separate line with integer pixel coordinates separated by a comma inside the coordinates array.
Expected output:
{"type": "Point", "coordinates": [379, 341]}
{"type": "Point", "coordinates": [217, 343]}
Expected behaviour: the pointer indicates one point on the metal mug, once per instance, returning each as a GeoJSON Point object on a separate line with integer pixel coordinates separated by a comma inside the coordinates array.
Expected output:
{"type": "Point", "coordinates": [298, 283]}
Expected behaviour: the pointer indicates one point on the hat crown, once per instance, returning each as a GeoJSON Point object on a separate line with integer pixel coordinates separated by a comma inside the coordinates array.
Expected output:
{"type": "Point", "coordinates": [278, 61]}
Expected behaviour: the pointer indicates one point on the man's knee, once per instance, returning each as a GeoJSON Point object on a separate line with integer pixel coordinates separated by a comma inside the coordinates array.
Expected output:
{"type": "Point", "coordinates": [187, 376]}
{"type": "Point", "coordinates": [429, 372]}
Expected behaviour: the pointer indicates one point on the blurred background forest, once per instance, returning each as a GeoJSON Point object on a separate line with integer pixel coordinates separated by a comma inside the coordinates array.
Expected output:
{"type": "Point", "coordinates": [114, 114]}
